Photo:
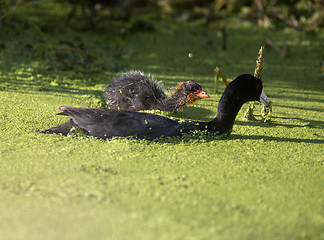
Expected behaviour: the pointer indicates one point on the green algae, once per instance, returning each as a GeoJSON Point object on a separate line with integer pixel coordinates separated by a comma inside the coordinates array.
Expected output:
{"type": "Point", "coordinates": [265, 181]}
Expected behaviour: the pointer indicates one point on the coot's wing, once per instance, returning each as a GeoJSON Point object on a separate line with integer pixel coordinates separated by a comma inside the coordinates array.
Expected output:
{"type": "Point", "coordinates": [106, 123]}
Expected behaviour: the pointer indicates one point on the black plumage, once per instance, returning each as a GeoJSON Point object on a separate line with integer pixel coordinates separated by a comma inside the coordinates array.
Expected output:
{"type": "Point", "coordinates": [107, 123]}
{"type": "Point", "coordinates": [134, 91]}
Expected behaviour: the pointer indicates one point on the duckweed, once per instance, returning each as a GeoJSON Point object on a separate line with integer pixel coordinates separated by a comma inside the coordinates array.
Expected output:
{"type": "Point", "coordinates": [264, 181]}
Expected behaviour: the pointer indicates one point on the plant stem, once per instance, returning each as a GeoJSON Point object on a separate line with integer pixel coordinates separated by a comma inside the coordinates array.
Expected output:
{"type": "Point", "coordinates": [257, 73]}
{"type": "Point", "coordinates": [219, 73]}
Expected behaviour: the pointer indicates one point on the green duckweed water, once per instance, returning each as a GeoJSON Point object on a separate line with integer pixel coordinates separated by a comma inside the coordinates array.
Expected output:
{"type": "Point", "coordinates": [265, 181]}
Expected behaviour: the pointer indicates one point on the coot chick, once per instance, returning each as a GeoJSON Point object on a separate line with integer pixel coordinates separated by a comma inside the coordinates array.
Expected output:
{"type": "Point", "coordinates": [134, 91]}
{"type": "Point", "coordinates": [108, 123]}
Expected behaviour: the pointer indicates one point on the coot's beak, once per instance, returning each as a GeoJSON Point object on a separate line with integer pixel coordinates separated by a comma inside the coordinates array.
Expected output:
{"type": "Point", "coordinates": [202, 94]}
{"type": "Point", "coordinates": [264, 99]}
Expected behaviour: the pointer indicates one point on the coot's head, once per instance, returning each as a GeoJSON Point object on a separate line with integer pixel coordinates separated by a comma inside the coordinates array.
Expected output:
{"type": "Point", "coordinates": [248, 88]}
{"type": "Point", "coordinates": [192, 91]}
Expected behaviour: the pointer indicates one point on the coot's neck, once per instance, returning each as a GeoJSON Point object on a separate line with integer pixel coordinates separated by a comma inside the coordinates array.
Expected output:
{"type": "Point", "coordinates": [228, 107]}
{"type": "Point", "coordinates": [175, 101]}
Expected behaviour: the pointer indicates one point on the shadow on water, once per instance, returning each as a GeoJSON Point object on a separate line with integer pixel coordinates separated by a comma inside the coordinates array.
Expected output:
{"type": "Point", "coordinates": [278, 139]}
{"type": "Point", "coordinates": [298, 98]}
{"type": "Point", "coordinates": [30, 85]}
{"type": "Point", "coordinates": [191, 139]}
{"type": "Point", "coordinates": [273, 123]}
{"type": "Point", "coordinates": [302, 108]}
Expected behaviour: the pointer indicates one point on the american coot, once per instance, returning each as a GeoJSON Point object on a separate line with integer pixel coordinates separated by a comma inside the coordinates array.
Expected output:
{"type": "Point", "coordinates": [107, 123]}
{"type": "Point", "coordinates": [134, 91]}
